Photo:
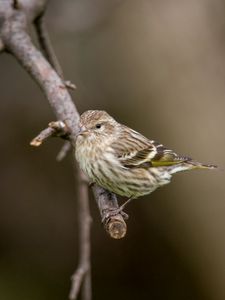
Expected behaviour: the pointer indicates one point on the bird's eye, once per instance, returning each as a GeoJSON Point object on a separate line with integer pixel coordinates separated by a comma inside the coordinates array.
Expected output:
{"type": "Point", "coordinates": [98, 126]}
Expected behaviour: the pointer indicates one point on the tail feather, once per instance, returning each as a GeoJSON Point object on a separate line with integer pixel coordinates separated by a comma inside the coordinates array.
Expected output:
{"type": "Point", "coordinates": [198, 165]}
{"type": "Point", "coordinates": [190, 165]}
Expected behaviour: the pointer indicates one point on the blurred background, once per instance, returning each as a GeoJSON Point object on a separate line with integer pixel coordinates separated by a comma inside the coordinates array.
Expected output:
{"type": "Point", "coordinates": [158, 67]}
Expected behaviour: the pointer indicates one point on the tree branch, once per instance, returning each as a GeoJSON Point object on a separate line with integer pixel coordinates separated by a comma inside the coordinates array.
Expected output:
{"type": "Point", "coordinates": [1, 46]}
{"type": "Point", "coordinates": [48, 50]}
{"type": "Point", "coordinates": [46, 45]}
{"type": "Point", "coordinates": [114, 224]}
{"type": "Point", "coordinates": [57, 128]}
{"type": "Point", "coordinates": [83, 272]}
{"type": "Point", "coordinates": [15, 16]}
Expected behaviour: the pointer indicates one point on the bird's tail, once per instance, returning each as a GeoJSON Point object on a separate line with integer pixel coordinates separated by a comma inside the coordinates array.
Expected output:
{"type": "Point", "coordinates": [198, 165]}
{"type": "Point", "coordinates": [190, 165]}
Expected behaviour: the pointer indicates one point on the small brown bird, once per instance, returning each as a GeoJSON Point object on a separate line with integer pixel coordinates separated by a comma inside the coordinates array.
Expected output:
{"type": "Point", "coordinates": [122, 160]}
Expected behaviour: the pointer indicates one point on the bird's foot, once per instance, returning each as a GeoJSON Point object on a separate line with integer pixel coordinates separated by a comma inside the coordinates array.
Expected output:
{"type": "Point", "coordinates": [109, 213]}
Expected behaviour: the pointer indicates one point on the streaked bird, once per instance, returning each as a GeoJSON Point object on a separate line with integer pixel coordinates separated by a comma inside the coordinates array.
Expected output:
{"type": "Point", "coordinates": [122, 160]}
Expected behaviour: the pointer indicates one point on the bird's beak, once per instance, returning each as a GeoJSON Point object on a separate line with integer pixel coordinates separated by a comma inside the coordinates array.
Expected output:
{"type": "Point", "coordinates": [82, 131]}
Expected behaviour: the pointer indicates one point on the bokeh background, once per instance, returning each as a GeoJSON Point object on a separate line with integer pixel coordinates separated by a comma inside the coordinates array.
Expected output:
{"type": "Point", "coordinates": [159, 67]}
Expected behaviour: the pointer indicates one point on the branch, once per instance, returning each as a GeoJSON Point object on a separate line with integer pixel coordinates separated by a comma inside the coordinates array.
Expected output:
{"type": "Point", "coordinates": [114, 224]}
{"type": "Point", "coordinates": [1, 45]}
{"type": "Point", "coordinates": [46, 45]}
{"type": "Point", "coordinates": [15, 16]}
{"type": "Point", "coordinates": [51, 57]}
{"type": "Point", "coordinates": [83, 272]}
{"type": "Point", "coordinates": [63, 151]}
{"type": "Point", "coordinates": [48, 50]}
{"type": "Point", "coordinates": [57, 128]}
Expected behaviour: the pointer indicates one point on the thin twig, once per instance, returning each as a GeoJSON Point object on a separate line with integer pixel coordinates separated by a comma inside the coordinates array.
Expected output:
{"type": "Point", "coordinates": [70, 85]}
{"type": "Point", "coordinates": [63, 151]}
{"type": "Point", "coordinates": [46, 45]}
{"type": "Point", "coordinates": [77, 279]}
{"type": "Point", "coordinates": [42, 136]}
{"type": "Point", "coordinates": [49, 53]}
{"type": "Point", "coordinates": [1, 46]}
{"type": "Point", "coordinates": [53, 131]}
{"type": "Point", "coordinates": [82, 274]}
{"type": "Point", "coordinates": [47, 49]}
{"type": "Point", "coordinates": [55, 128]}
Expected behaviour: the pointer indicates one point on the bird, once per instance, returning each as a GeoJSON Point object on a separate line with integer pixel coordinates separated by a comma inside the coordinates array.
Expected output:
{"type": "Point", "coordinates": [122, 160]}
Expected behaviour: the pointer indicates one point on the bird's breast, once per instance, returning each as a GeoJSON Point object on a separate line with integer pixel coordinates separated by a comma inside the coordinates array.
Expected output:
{"type": "Point", "coordinates": [87, 155]}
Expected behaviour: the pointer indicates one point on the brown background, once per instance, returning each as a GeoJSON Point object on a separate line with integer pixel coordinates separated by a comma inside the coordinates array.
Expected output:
{"type": "Point", "coordinates": [159, 67]}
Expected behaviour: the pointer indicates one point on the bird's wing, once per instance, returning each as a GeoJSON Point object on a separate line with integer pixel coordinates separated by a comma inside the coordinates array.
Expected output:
{"type": "Point", "coordinates": [134, 150]}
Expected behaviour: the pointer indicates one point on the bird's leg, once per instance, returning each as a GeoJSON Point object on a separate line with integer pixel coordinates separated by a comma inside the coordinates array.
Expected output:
{"type": "Point", "coordinates": [121, 208]}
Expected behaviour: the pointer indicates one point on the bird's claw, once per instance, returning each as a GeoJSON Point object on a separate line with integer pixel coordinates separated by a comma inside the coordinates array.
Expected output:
{"type": "Point", "coordinates": [109, 213]}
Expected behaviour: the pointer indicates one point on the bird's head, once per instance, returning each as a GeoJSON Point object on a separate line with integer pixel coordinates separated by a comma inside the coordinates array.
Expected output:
{"type": "Point", "coordinates": [96, 124]}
